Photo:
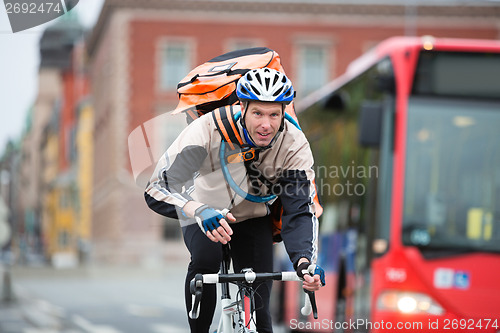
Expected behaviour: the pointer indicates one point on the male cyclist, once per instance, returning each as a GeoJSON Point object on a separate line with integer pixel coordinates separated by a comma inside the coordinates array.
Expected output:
{"type": "Point", "coordinates": [188, 179]}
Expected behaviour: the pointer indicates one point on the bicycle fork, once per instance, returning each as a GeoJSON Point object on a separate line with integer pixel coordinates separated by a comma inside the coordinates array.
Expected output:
{"type": "Point", "coordinates": [241, 310]}
{"type": "Point", "coordinates": [229, 309]}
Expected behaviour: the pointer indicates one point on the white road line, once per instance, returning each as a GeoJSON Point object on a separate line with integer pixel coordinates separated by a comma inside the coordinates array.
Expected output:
{"type": "Point", "coordinates": [46, 330]}
{"type": "Point", "coordinates": [88, 327]}
{"type": "Point", "coordinates": [166, 328]}
{"type": "Point", "coordinates": [50, 308]}
{"type": "Point", "coordinates": [176, 303]}
{"type": "Point", "coordinates": [145, 310]}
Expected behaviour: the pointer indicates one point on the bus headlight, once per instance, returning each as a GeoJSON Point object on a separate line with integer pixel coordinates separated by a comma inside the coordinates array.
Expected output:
{"type": "Point", "coordinates": [408, 303]}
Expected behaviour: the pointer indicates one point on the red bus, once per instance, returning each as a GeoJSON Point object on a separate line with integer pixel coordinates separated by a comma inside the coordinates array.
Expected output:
{"type": "Point", "coordinates": [407, 154]}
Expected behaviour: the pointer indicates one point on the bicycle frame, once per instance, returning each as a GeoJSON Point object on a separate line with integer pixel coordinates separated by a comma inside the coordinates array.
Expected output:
{"type": "Point", "coordinates": [239, 314]}
{"type": "Point", "coordinates": [230, 308]}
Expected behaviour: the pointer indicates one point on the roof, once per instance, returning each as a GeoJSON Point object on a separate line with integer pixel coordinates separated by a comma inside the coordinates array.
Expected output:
{"type": "Point", "coordinates": [57, 41]}
{"type": "Point", "coordinates": [367, 60]}
{"type": "Point", "coordinates": [383, 8]}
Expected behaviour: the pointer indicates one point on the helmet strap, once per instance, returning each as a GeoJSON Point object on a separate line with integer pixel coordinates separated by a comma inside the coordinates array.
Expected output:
{"type": "Point", "coordinates": [248, 138]}
{"type": "Point", "coordinates": [282, 126]}
{"type": "Point", "coordinates": [242, 119]}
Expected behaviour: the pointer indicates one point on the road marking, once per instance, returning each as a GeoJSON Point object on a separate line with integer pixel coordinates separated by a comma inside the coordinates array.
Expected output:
{"type": "Point", "coordinates": [50, 308]}
{"type": "Point", "coordinates": [166, 328]}
{"type": "Point", "coordinates": [145, 310]}
{"type": "Point", "coordinates": [173, 303]}
{"type": "Point", "coordinates": [88, 327]}
{"type": "Point", "coordinates": [46, 330]}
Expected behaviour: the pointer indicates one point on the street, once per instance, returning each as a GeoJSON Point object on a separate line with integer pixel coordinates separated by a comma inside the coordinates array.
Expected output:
{"type": "Point", "coordinates": [97, 299]}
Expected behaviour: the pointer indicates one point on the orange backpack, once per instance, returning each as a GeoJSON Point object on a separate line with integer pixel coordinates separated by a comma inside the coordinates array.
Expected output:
{"type": "Point", "coordinates": [213, 84]}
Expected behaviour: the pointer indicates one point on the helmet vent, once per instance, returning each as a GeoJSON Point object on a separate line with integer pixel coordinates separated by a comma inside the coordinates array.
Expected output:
{"type": "Point", "coordinates": [257, 92]}
{"type": "Point", "coordinates": [257, 76]}
{"type": "Point", "coordinates": [277, 92]}
{"type": "Point", "coordinates": [276, 77]}
{"type": "Point", "coordinates": [245, 90]}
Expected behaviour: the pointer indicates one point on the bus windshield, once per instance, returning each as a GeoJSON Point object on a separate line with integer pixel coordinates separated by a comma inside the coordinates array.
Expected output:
{"type": "Point", "coordinates": [452, 186]}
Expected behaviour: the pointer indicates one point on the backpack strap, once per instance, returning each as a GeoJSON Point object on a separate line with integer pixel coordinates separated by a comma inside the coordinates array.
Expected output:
{"type": "Point", "coordinates": [226, 125]}
{"type": "Point", "coordinates": [239, 152]}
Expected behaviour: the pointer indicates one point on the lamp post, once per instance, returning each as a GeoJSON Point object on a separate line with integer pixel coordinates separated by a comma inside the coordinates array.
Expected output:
{"type": "Point", "coordinates": [5, 236]}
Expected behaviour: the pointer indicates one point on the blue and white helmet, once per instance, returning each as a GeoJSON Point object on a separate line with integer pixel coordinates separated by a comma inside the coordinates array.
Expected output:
{"type": "Point", "coordinates": [265, 85]}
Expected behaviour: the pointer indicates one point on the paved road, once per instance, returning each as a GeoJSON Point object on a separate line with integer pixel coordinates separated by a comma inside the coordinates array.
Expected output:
{"type": "Point", "coordinates": [98, 299]}
{"type": "Point", "coordinates": [124, 300]}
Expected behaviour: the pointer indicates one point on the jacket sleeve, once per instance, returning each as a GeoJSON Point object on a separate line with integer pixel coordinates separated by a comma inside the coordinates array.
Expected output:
{"type": "Point", "coordinates": [299, 222]}
{"type": "Point", "coordinates": [172, 181]}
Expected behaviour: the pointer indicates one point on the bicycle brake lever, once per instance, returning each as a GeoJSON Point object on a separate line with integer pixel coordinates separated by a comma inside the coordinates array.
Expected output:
{"type": "Point", "coordinates": [310, 305]}
{"type": "Point", "coordinates": [312, 299]}
{"type": "Point", "coordinates": [196, 288]}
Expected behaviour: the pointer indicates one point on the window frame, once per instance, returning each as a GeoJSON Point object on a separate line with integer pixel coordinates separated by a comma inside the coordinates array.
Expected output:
{"type": "Point", "coordinates": [301, 44]}
{"type": "Point", "coordinates": [162, 46]}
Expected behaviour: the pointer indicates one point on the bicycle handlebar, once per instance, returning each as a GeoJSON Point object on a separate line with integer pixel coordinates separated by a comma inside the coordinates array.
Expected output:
{"type": "Point", "coordinates": [249, 277]}
{"type": "Point", "coordinates": [196, 287]}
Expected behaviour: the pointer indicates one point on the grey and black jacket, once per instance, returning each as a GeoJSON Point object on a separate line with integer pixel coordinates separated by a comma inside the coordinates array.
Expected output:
{"type": "Point", "coordinates": [191, 170]}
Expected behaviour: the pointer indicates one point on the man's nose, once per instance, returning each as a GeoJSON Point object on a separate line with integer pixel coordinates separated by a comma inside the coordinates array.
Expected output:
{"type": "Point", "coordinates": [265, 123]}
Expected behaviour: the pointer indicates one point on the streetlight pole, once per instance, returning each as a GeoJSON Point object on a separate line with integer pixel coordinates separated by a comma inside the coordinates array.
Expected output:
{"type": "Point", "coordinates": [5, 236]}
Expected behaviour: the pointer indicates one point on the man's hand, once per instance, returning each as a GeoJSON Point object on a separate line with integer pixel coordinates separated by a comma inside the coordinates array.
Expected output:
{"type": "Point", "coordinates": [214, 224]}
{"type": "Point", "coordinates": [313, 275]}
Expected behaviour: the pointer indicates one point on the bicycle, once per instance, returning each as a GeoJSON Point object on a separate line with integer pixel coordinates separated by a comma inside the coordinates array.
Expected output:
{"type": "Point", "coordinates": [238, 315]}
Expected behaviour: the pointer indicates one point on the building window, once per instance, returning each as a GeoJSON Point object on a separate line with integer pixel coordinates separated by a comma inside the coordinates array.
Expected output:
{"type": "Point", "coordinates": [175, 63]}
{"type": "Point", "coordinates": [313, 68]}
{"type": "Point", "coordinates": [239, 44]}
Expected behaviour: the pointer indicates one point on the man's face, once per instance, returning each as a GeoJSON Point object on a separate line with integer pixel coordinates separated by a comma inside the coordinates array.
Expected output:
{"type": "Point", "coordinates": [263, 120]}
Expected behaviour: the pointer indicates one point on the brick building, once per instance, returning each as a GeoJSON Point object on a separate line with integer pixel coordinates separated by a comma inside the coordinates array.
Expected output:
{"type": "Point", "coordinates": [139, 50]}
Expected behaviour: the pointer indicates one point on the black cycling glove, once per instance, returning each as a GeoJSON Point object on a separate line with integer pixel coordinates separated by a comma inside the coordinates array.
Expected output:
{"type": "Point", "coordinates": [308, 268]}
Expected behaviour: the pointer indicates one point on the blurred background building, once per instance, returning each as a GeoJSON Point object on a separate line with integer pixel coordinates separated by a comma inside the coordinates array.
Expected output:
{"type": "Point", "coordinates": [68, 179]}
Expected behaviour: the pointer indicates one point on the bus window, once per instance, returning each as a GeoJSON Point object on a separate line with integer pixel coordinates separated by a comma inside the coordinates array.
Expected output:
{"type": "Point", "coordinates": [452, 176]}
{"type": "Point", "coordinates": [451, 74]}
